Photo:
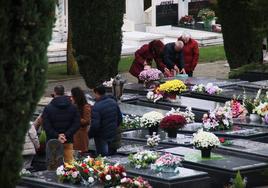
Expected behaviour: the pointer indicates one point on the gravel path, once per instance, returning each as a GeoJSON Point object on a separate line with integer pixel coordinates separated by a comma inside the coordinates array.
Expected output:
{"type": "Point", "coordinates": [217, 69]}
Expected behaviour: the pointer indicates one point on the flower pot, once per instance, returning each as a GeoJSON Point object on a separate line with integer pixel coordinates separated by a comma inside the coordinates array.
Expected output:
{"type": "Point", "coordinates": [153, 129]}
{"type": "Point", "coordinates": [149, 84]}
{"type": "Point", "coordinates": [208, 24]}
{"type": "Point", "coordinates": [172, 133]}
{"type": "Point", "coordinates": [171, 97]}
{"type": "Point", "coordinates": [205, 152]}
{"type": "Point", "coordinates": [254, 117]}
{"type": "Point", "coordinates": [167, 169]}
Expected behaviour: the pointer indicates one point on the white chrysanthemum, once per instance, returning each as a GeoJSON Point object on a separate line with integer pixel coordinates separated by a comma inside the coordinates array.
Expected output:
{"type": "Point", "coordinates": [90, 180]}
{"type": "Point", "coordinates": [60, 171]}
{"type": "Point", "coordinates": [204, 139]}
{"type": "Point", "coordinates": [151, 119]}
{"type": "Point", "coordinates": [108, 177]}
{"type": "Point", "coordinates": [75, 174]}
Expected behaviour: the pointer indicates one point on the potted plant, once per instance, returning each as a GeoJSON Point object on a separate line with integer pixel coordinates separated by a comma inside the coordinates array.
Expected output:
{"type": "Point", "coordinates": [167, 163]}
{"type": "Point", "coordinates": [208, 16]}
{"type": "Point", "coordinates": [172, 88]}
{"type": "Point", "coordinates": [151, 121]}
{"type": "Point", "coordinates": [153, 140]}
{"type": "Point", "coordinates": [149, 76]}
{"type": "Point", "coordinates": [205, 141]}
{"type": "Point", "coordinates": [250, 105]}
{"type": "Point", "coordinates": [171, 123]}
{"type": "Point", "coordinates": [142, 159]}
{"type": "Point", "coordinates": [188, 114]}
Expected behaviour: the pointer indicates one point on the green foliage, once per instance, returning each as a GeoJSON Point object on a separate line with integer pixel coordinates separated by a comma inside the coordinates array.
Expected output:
{"type": "Point", "coordinates": [25, 32]}
{"type": "Point", "coordinates": [238, 181]}
{"type": "Point", "coordinates": [243, 30]}
{"type": "Point", "coordinates": [236, 73]}
{"type": "Point", "coordinates": [96, 26]}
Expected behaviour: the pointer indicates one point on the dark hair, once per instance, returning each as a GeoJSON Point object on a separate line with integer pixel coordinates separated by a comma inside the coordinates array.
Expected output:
{"type": "Point", "coordinates": [156, 47]}
{"type": "Point", "coordinates": [79, 98]}
{"type": "Point", "coordinates": [100, 89]}
{"type": "Point", "coordinates": [59, 90]}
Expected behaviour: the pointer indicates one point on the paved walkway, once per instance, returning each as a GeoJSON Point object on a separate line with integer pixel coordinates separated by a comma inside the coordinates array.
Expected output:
{"type": "Point", "coordinates": [217, 69]}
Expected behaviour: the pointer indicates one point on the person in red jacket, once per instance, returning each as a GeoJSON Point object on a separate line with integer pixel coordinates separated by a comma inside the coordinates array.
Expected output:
{"type": "Point", "coordinates": [145, 55]}
{"type": "Point", "coordinates": [190, 53]}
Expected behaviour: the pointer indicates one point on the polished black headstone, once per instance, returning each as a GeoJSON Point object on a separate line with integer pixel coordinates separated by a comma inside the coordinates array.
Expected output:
{"type": "Point", "coordinates": [167, 13]}
{"type": "Point", "coordinates": [54, 154]}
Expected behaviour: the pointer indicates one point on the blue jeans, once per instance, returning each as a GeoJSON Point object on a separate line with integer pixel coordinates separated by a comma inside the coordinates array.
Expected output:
{"type": "Point", "coordinates": [102, 147]}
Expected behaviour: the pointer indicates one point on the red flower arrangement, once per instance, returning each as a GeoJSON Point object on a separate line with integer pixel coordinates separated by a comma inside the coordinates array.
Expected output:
{"type": "Point", "coordinates": [112, 175]}
{"type": "Point", "coordinates": [173, 122]}
{"type": "Point", "coordinates": [186, 19]}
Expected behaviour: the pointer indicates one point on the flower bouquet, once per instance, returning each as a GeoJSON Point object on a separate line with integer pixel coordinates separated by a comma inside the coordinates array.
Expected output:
{"type": "Point", "coordinates": [171, 123]}
{"type": "Point", "coordinates": [172, 88]}
{"type": "Point", "coordinates": [112, 175]}
{"type": "Point", "coordinates": [237, 108]}
{"type": "Point", "coordinates": [167, 163]}
{"type": "Point", "coordinates": [266, 119]}
{"type": "Point", "coordinates": [261, 109]}
{"type": "Point", "coordinates": [188, 114]}
{"type": "Point", "coordinates": [205, 141]}
{"type": "Point", "coordinates": [209, 89]}
{"type": "Point", "coordinates": [137, 182]}
{"type": "Point", "coordinates": [187, 20]}
{"type": "Point", "coordinates": [218, 119]}
{"type": "Point", "coordinates": [151, 121]}
{"type": "Point", "coordinates": [142, 159]}
{"type": "Point", "coordinates": [152, 96]}
{"type": "Point", "coordinates": [207, 15]}
{"type": "Point", "coordinates": [131, 122]}
{"type": "Point", "coordinates": [97, 164]}
{"type": "Point", "coordinates": [153, 140]}
{"type": "Point", "coordinates": [68, 174]}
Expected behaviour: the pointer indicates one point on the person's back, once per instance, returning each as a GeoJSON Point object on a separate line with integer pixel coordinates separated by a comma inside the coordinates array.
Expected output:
{"type": "Point", "coordinates": [107, 109]}
{"type": "Point", "coordinates": [60, 112]}
{"type": "Point", "coordinates": [61, 120]}
{"type": "Point", "coordinates": [106, 117]}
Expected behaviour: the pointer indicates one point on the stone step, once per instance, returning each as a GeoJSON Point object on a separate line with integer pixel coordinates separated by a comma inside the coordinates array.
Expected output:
{"type": "Point", "coordinates": [136, 38]}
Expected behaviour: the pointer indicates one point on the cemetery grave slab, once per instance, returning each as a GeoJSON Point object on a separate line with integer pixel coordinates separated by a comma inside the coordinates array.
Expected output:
{"type": "Point", "coordinates": [186, 178]}
{"type": "Point", "coordinates": [223, 167]}
{"type": "Point", "coordinates": [246, 148]}
{"type": "Point", "coordinates": [142, 136]}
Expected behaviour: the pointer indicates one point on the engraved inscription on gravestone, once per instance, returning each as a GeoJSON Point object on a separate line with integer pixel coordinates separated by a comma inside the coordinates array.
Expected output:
{"type": "Point", "coordinates": [167, 13]}
{"type": "Point", "coordinates": [54, 154]}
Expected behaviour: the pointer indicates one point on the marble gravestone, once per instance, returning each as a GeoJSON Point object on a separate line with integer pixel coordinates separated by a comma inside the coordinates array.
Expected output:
{"type": "Point", "coordinates": [223, 167]}
{"type": "Point", "coordinates": [186, 178]}
{"type": "Point", "coordinates": [54, 154]}
{"type": "Point", "coordinates": [246, 148]}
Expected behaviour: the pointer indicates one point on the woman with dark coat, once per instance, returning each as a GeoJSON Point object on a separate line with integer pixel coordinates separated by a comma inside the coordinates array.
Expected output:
{"type": "Point", "coordinates": [145, 55]}
{"type": "Point", "coordinates": [80, 139]}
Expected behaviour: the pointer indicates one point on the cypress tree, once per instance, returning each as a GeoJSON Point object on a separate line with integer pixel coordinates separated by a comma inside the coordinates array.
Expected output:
{"type": "Point", "coordinates": [25, 32]}
{"type": "Point", "coordinates": [240, 21]}
{"type": "Point", "coordinates": [96, 27]}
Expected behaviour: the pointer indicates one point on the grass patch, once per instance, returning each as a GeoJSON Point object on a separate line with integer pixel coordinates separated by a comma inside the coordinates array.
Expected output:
{"type": "Point", "coordinates": [207, 54]}
{"type": "Point", "coordinates": [58, 71]}
{"type": "Point", "coordinates": [211, 54]}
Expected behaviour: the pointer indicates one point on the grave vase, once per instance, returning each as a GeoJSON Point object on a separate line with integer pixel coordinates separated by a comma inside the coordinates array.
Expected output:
{"type": "Point", "coordinates": [172, 133]}
{"type": "Point", "coordinates": [171, 97]}
{"type": "Point", "coordinates": [254, 117]}
{"type": "Point", "coordinates": [153, 129]}
{"type": "Point", "coordinates": [206, 152]}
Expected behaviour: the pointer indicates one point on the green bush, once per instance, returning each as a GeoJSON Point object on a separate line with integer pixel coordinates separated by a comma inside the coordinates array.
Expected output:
{"type": "Point", "coordinates": [96, 26]}
{"type": "Point", "coordinates": [25, 32]}
{"type": "Point", "coordinates": [241, 24]}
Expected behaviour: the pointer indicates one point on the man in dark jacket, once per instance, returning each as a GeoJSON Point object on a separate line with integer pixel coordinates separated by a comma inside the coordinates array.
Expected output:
{"type": "Point", "coordinates": [61, 121]}
{"type": "Point", "coordinates": [106, 118]}
{"type": "Point", "coordinates": [173, 57]}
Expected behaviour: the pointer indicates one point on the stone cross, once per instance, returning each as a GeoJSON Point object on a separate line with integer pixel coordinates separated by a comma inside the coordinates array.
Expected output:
{"type": "Point", "coordinates": [54, 154]}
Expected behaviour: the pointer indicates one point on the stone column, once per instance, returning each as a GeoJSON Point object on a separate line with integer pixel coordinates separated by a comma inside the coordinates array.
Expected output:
{"type": "Point", "coordinates": [183, 8]}
{"type": "Point", "coordinates": [135, 12]}
{"type": "Point", "coordinates": [61, 24]}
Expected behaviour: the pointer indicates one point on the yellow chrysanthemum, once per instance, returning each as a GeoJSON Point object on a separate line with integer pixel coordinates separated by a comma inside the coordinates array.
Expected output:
{"type": "Point", "coordinates": [173, 86]}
